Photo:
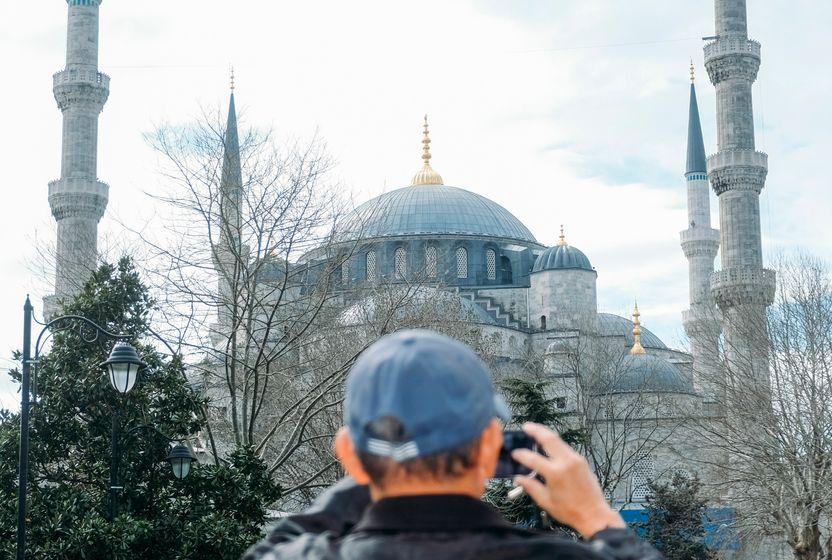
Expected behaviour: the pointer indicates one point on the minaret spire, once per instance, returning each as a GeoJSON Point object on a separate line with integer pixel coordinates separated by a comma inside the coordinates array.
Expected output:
{"type": "Point", "coordinates": [231, 180]}
{"type": "Point", "coordinates": [426, 175]}
{"type": "Point", "coordinates": [78, 199]}
{"type": "Point", "coordinates": [700, 244]}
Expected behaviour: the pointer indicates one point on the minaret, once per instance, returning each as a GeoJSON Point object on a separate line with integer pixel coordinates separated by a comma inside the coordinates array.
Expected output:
{"type": "Point", "coordinates": [743, 288]}
{"type": "Point", "coordinates": [700, 244]}
{"type": "Point", "coordinates": [78, 199]}
{"type": "Point", "coordinates": [229, 254]}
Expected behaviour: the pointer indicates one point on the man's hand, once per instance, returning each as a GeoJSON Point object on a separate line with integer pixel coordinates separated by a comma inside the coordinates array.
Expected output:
{"type": "Point", "coordinates": [571, 493]}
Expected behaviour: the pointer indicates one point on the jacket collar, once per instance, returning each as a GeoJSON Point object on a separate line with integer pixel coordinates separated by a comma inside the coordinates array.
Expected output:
{"type": "Point", "coordinates": [436, 512]}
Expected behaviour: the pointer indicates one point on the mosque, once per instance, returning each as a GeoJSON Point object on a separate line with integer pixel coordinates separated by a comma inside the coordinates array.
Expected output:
{"type": "Point", "coordinates": [524, 296]}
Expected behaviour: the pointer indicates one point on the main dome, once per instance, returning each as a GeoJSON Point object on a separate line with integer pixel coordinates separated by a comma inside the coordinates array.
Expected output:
{"type": "Point", "coordinates": [434, 210]}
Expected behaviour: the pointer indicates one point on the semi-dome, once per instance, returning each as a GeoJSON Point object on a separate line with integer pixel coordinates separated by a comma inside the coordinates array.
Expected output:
{"type": "Point", "coordinates": [434, 210]}
{"type": "Point", "coordinates": [644, 373]}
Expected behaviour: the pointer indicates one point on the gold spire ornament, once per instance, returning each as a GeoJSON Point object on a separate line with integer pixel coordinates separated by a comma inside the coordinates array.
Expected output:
{"type": "Point", "coordinates": [426, 175]}
{"type": "Point", "coordinates": [692, 72]}
{"type": "Point", "coordinates": [232, 79]}
{"type": "Point", "coordinates": [637, 348]}
{"type": "Point", "coordinates": [562, 239]}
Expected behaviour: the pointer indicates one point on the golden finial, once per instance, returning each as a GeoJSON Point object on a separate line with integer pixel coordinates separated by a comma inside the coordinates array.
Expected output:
{"type": "Point", "coordinates": [232, 79]}
{"type": "Point", "coordinates": [426, 175]}
{"type": "Point", "coordinates": [562, 237]}
{"type": "Point", "coordinates": [692, 71]}
{"type": "Point", "coordinates": [637, 347]}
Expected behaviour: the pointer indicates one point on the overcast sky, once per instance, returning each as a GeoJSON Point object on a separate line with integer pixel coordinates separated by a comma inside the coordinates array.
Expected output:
{"type": "Point", "coordinates": [562, 111]}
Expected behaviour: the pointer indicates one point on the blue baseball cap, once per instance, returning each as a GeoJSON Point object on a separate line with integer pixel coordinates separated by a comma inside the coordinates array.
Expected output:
{"type": "Point", "coordinates": [435, 386]}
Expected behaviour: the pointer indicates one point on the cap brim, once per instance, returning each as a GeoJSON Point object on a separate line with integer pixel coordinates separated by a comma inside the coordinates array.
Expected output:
{"type": "Point", "coordinates": [501, 410]}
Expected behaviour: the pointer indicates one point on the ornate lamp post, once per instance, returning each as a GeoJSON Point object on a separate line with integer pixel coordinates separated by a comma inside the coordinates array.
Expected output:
{"type": "Point", "coordinates": [122, 368]}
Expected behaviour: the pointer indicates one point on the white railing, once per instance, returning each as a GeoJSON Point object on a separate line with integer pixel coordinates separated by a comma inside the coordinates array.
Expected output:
{"type": "Point", "coordinates": [729, 158]}
{"type": "Point", "coordinates": [738, 276]}
{"type": "Point", "coordinates": [79, 75]}
{"type": "Point", "coordinates": [731, 45]}
{"type": "Point", "coordinates": [699, 234]}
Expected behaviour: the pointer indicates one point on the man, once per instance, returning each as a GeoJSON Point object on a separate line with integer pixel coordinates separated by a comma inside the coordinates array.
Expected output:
{"type": "Point", "coordinates": [422, 438]}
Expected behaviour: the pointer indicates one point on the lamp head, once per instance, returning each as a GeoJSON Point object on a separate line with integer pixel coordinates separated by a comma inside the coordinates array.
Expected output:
{"type": "Point", "coordinates": [123, 367]}
{"type": "Point", "coordinates": [180, 459]}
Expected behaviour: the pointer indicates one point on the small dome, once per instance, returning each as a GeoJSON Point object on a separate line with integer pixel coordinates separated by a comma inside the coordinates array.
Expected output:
{"type": "Point", "coordinates": [561, 257]}
{"type": "Point", "coordinates": [644, 373]}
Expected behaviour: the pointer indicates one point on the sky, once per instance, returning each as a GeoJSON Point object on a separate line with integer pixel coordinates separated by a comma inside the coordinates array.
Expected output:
{"type": "Point", "coordinates": [566, 112]}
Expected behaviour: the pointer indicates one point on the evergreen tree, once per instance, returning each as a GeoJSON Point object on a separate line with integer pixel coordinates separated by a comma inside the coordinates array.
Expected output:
{"type": "Point", "coordinates": [676, 515]}
{"type": "Point", "coordinates": [216, 512]}
{"type": "Point", "coordinates": [528, 403]}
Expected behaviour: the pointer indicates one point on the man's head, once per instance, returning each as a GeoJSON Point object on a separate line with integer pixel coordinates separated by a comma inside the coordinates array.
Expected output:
{"type": "Point", "coordinates": [420, 415]}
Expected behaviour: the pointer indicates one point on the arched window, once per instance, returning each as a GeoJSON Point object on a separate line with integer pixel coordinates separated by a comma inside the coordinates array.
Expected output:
{"type": "Point", "coordinates": [491, 264]}
{"type": "Point", "coordinates": [642, 475]}
{"type": "Point", "coordinates": [400, 264]}
{"type": "Point", "coordinates": [371, 265]}
{"type": "Point", "coordinates": [462, 262]}
{"type": "Point", "coordinates": [543, 322]}
{"type": "Point", "coordinates": [430, 261]}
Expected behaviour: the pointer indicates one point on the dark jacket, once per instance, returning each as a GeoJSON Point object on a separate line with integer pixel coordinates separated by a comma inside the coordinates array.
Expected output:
{"type": "Point", "coordinates": [343, 524]}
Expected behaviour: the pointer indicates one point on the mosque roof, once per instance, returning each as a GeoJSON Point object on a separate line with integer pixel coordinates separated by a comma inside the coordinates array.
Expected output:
{"type": "Point", "coordinates": [562, 256]}
{"type": "Point", "coordinates": [434, 210]}
{"type": "Point", "coordinates": [610, 324]}
{"type": "Point", "coordinates": [645, 373]}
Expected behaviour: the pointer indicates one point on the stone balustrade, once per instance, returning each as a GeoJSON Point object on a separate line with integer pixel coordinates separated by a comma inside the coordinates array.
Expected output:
{"type": "Point", "coordinates": [731, 45]}
{"type": "Point", "coordinates": [81, 76]}
{"type": "Point", "coordinates": [743, 285]}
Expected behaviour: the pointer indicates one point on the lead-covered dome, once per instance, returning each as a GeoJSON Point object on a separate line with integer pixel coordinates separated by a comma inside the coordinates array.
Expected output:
{"type": "Point", "coordinates": [643, 373]}
{"type": "Point", "coordinates": [560, 257]}
{"type": "Point", "coordinates": [434, 210]}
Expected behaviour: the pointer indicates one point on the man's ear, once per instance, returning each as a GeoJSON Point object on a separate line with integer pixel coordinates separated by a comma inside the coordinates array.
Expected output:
{"type": "Point", "coordinates": [345, 451]}
{"type": "Point", "coordinates": [491, 441]}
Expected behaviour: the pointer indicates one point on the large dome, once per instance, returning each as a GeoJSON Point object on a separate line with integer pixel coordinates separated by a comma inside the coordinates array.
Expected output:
{"type": "Point", "coordinates": [434, 210]}
{"type": "Point", "coordinates": [649, 374]}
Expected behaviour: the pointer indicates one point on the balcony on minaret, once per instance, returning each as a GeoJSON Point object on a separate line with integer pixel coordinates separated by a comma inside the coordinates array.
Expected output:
{"type": "Point", "coordinates": [738, 169]}
{"type": "Point", "coordinates": [80, 84]}
{"type": "Point", "coordinates": [731, 45]}
{"type": "Point", "coordinates": [743, 285]}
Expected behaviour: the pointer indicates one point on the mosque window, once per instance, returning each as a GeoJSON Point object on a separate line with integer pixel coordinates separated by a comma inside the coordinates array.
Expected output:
{"type": "Point", "coordinates": [560, 402]}
{"type": "Point", "coordinates": [400, 263]}
{"type": "Point", "coordinates": [371, 265]}
{"type": "Point", "coordinates": [430, 261]}
{"type": "Point", "coordinates": [543, 322]}
{"type": "Point", "coordinates": [491, 264]}
{"type": "Point", "coordinates": [462, 262]}
{"type": "Point", "coordinates": [641, 477]}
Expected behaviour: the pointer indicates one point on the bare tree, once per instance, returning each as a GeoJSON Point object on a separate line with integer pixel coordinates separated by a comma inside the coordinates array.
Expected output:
{"type": "Point", "coordinates": [771, 437]}
{"type": "Point", "coordinates": [623, 420]}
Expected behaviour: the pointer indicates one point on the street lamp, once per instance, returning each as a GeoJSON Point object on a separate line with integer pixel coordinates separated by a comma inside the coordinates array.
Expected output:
{"type": "Point", "coordinates": [123, 367]}
{"type": "Point", "coordinates": [180, 459]}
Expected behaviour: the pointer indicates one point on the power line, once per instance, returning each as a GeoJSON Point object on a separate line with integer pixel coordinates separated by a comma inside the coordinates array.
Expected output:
{"type": "Point", "coordinates": [612, 45]}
